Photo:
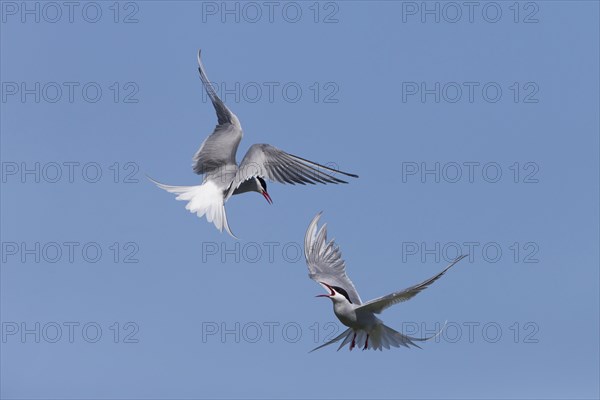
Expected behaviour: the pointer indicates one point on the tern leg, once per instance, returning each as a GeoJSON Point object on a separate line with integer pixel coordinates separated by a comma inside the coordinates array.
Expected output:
{"type": "Point", "coordinates": [353, 344]}
{"type": "Point", "coordinates": [366, 343]}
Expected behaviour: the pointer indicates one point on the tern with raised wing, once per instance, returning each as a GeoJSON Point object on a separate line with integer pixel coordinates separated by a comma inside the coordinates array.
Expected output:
{"type": "Point", "coordinates": [223, 178]}
{"type": "Point", "coordinates": [326, 267]}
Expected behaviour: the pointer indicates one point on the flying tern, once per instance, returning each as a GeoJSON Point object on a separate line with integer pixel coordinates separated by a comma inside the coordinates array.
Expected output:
{"type": "Point", "coordinates": [223, 178]}
{"type": "Point", "coordinates": [326, 267]}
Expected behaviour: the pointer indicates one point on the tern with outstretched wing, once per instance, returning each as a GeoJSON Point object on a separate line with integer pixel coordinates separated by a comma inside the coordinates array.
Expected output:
{"type": "Point", "coordinates": [223, 178]}
{"type": "Point", "coordinates": [326, 267]}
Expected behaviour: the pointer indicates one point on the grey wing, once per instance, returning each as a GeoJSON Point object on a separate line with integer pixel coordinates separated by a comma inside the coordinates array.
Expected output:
{"type": "Point", "coordinates": [324, 260]}
{"type": "Point", "coordinates": [270, 162]}
{"type": "Point", "coordinates": [378, 305]}
{"type": "Point", "coordinates": [220, 147]}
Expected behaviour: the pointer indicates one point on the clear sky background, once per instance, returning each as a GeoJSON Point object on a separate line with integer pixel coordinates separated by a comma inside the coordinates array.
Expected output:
{"type": "Point", "coordinates": [201, 315]}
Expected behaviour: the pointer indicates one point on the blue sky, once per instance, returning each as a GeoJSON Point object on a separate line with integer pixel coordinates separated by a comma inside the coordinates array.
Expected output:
{"type": "Point", "coordinates": [472, 129]}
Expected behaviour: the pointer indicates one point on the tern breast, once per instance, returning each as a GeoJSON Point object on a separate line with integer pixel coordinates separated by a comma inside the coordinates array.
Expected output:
{"type": "Point", "coordinates": [345, 313]}
{"type": "Point", "coordinates": [353, 318]}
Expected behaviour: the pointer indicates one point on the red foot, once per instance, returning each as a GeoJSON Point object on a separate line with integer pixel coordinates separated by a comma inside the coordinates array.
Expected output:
{"type": "Point", "coordinates": [366, 343]}
{"type": "Point", "coordinates": [353, 342]}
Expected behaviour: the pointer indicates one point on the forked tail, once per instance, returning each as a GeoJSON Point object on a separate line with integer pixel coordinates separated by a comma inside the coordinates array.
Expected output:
{"type": "Point", "coordinates": [381, 336]}
{"type": "Point", "coordinates": [384, 336]}
{"type": "Point", "coordinates": [206, 199]}
{"type": "Point", "coordinates": [347, 335]}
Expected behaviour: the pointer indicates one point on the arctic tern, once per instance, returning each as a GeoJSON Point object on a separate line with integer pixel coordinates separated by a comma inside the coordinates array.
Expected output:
{"type": "Point", "coordinates": [326, 267]}
{"type": "Point", "coordinates": [223, 178]}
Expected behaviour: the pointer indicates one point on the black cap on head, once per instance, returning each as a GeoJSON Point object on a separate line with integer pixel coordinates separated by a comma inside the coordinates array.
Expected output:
{"type": "Point", "coordinates": [262, 183]}
{"type": "Point", "coordinates": [342, 292]}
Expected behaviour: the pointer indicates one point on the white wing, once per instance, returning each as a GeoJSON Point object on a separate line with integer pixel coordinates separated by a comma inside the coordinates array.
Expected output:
{"type": "Point", "coordinates": [324, 260]}
{"type": "Point", "coordinates": [378, 305]}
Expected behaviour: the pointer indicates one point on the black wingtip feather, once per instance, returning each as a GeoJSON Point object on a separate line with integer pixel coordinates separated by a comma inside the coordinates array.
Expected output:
{"type": "Point", "coordinates": [327, 168]}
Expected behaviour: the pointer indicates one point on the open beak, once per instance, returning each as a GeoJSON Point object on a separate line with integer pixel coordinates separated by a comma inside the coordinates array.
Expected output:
{"type": "Point", "coordinates": [266, 195]}
{"type": "Point", "coordinates": [326, 295]}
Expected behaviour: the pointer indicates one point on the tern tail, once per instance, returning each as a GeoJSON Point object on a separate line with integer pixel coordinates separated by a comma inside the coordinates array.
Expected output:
{"type": "Point", "coordinates": [379, 337]}
{"type": "Point", "coordinates": [384, 336]}
{"type": "Point", "coordinates": [348, 333]}
{"type": "Point", "coordinates": [205, 199]}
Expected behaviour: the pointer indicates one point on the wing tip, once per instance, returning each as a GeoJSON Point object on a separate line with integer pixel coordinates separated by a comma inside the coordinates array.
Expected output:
{"type": "Point", "coordinates": [348, 174]}
{"type": "Point", "coordinates": [310, 235]}
{"type": "Point", "coordinates": [457, 259]}
{"type": "Point", "coordinates": [330, 177]}
{"type": "Point", "coordinates": [315, 221]}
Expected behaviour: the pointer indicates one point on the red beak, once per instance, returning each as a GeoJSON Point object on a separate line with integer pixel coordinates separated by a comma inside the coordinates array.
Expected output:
{"type": "Point", "coordinates": [266, 195]}
{"type": "Point", "coordinates": [326, 295]}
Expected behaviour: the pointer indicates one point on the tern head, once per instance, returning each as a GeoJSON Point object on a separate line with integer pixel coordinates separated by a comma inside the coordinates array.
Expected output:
{"type": "Point", "coordinates": [262, 189]}
{"type": "Point", "coordinates": [336, 294]}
